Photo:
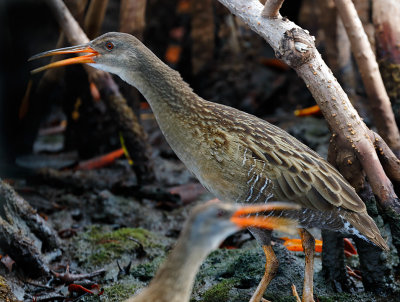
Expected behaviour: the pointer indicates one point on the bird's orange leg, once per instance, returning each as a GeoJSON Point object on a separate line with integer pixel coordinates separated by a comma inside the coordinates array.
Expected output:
{"type": "Point", "coordinates": [295, 294]}
{"type": "Point", "coordinates": [271, 267]}
{"type": "Point", "coordinates": [308, 246]}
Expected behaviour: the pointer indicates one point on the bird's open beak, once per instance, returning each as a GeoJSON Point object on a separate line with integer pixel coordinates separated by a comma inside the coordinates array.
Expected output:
{"type": "Point", "coordinates": [73, 49]}
{"type": "Point", "coordinates": [255, 216]}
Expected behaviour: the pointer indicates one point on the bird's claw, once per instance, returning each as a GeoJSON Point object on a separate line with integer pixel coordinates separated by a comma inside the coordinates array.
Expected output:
{"type": "Point", "coordinates": [295, 294]}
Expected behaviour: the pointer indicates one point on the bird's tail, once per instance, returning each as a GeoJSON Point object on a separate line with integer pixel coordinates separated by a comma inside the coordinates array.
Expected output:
{"type": "Point", "coordinates": [366, 227]}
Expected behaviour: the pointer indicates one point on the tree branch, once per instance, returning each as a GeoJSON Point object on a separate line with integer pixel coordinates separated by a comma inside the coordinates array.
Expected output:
{"type": "Point", "coordinates": [133, 17]}
{"type": "Point", "coordinates": [389, 161]}
{"type": "Point", "coordinates": [296, 47]}
{"type": "Point", "coordinates": [94, 17]}
{"type": "Point", "coordinates": [378, 99]}
{"type": "Point", "coordinates": [271, 8]}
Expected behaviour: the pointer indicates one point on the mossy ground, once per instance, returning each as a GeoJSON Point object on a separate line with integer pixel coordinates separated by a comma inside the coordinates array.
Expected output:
{"type": "Point", "coordinates": [233, 275]}
{"type": "Point", "coordinates": [219, 292]}
{"type": "Point", "coordinates": [114, 293]}
{"type": "Point", "coordinates": [100, 245]}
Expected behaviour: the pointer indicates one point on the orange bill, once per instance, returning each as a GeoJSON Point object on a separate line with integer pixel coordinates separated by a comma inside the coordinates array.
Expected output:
{"type": "Point", "coordinates": [88, 58]}
{"type": "Point", "coordinates": [242, 217]}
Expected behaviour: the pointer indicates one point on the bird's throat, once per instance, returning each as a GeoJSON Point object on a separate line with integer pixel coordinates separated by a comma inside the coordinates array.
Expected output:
{"type": "Point", "coordinates": [162, 86]}
{"type": "Point", "coordinates": [175, 279]}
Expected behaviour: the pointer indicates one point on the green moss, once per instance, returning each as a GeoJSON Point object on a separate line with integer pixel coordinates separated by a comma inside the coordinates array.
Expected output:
{"type": "Point", "coordinates": [146, 271]}
{"type": "Point", "coordinates": [391, 76]}
{"type": "Point", "coordinates": [115, 293]}
{"type": "Point", "coordinates": [276, 297]}
{"type": "Point", "coordinates": [347, 297]}
{"type": "Point", "coordinates": [99, 245]}
{"type": "Point", "coordinates": [118, 292]}
{"type": "Point", "coordinates": [219, 292]}
{"type": "Point", "coordinates": [97, 235]}
{"type": "Point", "coordinates": [248, 265]}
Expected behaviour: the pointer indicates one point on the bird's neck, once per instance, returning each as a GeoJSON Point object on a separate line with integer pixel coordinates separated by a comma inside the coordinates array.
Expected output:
{"type": "Point", "coordinates": [174, 280]}
{"type": "Point", "coordinates": [162, 86]}
{"type": "Point", "coordinates": [175, 106]}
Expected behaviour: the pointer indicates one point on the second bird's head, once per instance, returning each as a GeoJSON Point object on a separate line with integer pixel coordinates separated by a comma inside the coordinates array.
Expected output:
{"type": "Point", "coordinates": [213, 221]}
{"type": "Point", "coordinates": [112, 52]}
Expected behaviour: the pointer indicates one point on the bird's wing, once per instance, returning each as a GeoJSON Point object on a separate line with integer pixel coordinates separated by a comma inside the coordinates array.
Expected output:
{"type": "Point", "coordinates": [299, 174]}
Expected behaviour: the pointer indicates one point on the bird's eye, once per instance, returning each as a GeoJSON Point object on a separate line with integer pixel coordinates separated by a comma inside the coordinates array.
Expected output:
{"type": "Point", "coordinates": [109, 45]}
{"type": "Point", "coordinates": [221, 213]}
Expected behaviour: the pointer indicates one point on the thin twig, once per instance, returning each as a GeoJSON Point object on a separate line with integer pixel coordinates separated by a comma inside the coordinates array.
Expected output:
{"type": "Point", "coordinates": [67, 277]}
{"type": "Point", "coordinates": [389, 161]}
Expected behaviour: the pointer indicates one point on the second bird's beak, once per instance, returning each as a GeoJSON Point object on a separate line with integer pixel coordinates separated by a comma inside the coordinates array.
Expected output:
{"type": "Point", "coordinates": [67, 50]}
{"type": "Point", "coordinates": [255, 216]}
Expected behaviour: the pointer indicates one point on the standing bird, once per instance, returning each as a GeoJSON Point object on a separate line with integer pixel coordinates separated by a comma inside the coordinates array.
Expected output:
{"type": "Point", "coordinates": [235, 155]}
{"type": "Point", "coordinates": [207, 226]}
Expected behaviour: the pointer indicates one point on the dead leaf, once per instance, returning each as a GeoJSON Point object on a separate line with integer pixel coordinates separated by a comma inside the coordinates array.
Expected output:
{"type": "Point", "coordinates": [8, 262]}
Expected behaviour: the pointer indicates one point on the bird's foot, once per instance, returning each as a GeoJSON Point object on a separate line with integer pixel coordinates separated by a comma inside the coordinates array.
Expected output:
{"type": "Point", "coordinates": [296, 295]}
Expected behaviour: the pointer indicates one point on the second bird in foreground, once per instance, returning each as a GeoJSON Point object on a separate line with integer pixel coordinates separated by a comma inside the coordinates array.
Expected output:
{"type": "Point", "coordinates": [237, 156]}
{"type": "Point", "coordinates": [207, 226]}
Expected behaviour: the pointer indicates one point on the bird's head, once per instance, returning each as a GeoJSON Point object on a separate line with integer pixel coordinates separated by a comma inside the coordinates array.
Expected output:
{"type": "Point", "coordinates": [212, 222]}
{"type": "Point", "coordinates": [111, 52]}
